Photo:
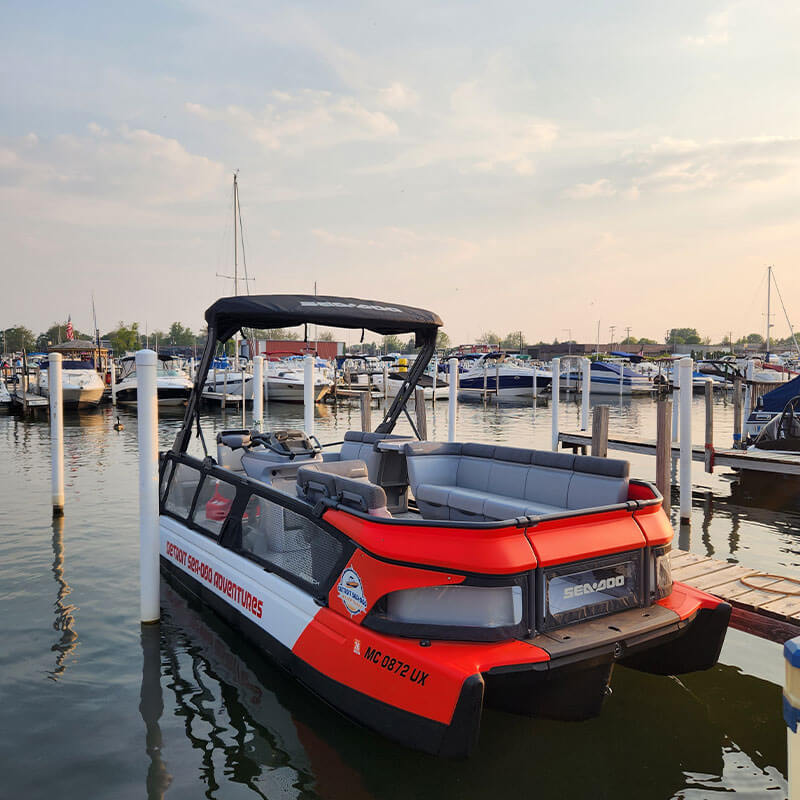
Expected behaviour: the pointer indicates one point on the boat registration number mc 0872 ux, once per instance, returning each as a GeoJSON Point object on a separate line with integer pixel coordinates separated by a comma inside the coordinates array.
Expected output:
{"type": "Point", "coordinates": [395, 665]}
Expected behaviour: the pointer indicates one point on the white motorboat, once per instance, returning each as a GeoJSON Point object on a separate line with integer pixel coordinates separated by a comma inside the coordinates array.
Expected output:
{"type": "Point", "coordinates": [396, 379]}
{"type": "Point", "coordinates": [501, 376]}
{"type": "Point", "coordinates": [612, 378]}
{"type": "Point", "coordinates": [173, 385]}
{"type": "Point", "coordinates": [229, 381]}
{"type": "Point", "coordinates": [5, 397]}
{"type": "Point", "coordinates": [81, 384]}
{"type": "Point", "coordinates": [286, 384]}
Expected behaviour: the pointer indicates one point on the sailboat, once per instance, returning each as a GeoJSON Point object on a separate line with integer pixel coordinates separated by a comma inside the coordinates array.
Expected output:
{"type": "Point", "coordinates": [237, 382]}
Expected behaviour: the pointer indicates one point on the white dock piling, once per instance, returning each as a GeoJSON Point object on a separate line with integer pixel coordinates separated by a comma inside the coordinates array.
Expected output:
{"type": "Point", "coordinates": [676, 384]}
{"type": "Point", "coordinates": [556, 384]}
{"type": "Point", "coordinates": [56, 432]}
{"type": "Point", "coordinates": [243, 376]}
{"type": "Point", "coordinates": [748, 390]}
{"type": "Point", "coordinates": [258, 393]}
{"type": "Point", "coordinates": [791, 714]}
{"type": "Point", "coordinates": [686, 366]}
{"type": "Point", "coordinates": [308, 394]}
{"type": "Point", "coordinates": [535, 382]}
{"type": "Point", "coordinates": [586, 388]}
{"type": "Point", "coordinates": [112, 367]}
{"type": "Point", "coordinates": [435, 379]}
{"type": "Point", "coordinates": [451, 411]}
{"type": "Point", "coordinates": [147, 412]}
{"type": "Point", "coordinates": [385, 381]}
{"type": "Point", "coordinates": [621, 377]}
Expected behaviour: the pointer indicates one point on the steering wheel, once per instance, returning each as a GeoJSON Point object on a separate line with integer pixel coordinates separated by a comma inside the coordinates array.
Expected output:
{"type": "Point", "coordinates": [265, 439]}
{"type": "Point", "coordinates": [785, 424]}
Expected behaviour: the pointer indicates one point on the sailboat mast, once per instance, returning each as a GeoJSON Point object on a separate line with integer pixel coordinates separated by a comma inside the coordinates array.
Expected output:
{"type": "Point", "coordinates": [769, 287]}
{"type": "Point", "coordinates": [235, 237]}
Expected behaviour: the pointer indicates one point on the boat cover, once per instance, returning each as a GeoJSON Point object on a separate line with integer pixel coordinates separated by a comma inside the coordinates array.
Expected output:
{"type": "Point", "coordinates": [777, 399]}
{"type": "Point", "coordinates": [229, 314]}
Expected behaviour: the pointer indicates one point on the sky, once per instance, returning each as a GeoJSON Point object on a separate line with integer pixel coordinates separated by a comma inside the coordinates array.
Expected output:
{"type": "Point", "coordinates": [536, 167]}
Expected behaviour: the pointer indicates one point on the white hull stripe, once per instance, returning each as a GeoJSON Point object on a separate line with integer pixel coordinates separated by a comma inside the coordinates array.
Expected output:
{"type": "Point", "coordinates": [272, 603]}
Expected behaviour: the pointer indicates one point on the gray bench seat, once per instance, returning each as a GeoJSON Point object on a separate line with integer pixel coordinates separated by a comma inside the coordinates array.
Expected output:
{"type": "Point", "coordinates": [482, 482]}
{"type": "Point", "coordinates": [346, 482]}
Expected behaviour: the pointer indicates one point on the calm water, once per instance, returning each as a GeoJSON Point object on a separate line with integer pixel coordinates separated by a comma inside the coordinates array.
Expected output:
{"type": "Point", "coordinates": [95, 707]}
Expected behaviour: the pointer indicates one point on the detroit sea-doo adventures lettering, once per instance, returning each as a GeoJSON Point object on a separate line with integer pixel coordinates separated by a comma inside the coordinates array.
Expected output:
{"type": "Point", "coordinates": [597, 586]}
{"type": "Point", "coordinates": [214, 578]}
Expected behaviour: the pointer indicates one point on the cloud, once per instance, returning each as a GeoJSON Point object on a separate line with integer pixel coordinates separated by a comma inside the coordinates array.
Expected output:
{"type": "Point", "coordinates": [586, 191]}
{"type": "Point", "coordinates": [717, 32]}
{"type": "Point", "coordinates": [107, 175]}
{"type": "Point", "coordinates": [398, 97]}
{"type": "Point", "coordinates": [307, 119]}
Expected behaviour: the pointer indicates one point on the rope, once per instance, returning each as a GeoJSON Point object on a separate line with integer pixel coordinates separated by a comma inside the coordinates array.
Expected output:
{"type": "Point", "coordinates": [777, 578]}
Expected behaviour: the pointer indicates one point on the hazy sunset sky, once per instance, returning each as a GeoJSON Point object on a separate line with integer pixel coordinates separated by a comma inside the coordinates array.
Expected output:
{"type": "Point", "coordinates": [513, 166]}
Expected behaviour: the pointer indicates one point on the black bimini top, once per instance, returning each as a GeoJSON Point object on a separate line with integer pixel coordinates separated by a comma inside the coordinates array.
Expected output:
{"type": "Point", "coordinates": [229, 314]}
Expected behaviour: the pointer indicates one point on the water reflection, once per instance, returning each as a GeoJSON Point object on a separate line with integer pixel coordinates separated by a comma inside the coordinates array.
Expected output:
{"type": "Point", "coordinates": [64, 612]}
{"type": "Point", "coordinates": [151, 706]}
{"type": "Point", "coordinates": [658, 737]}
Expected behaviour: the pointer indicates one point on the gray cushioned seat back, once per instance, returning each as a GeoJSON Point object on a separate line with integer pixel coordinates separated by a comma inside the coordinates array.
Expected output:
{"type": "Point", "coordinates": [360, 445]}
{"type": "Point", "coordinates": [432, 462]}
{"type": "Point", "coordinates": [475, 466]}
{"type": "Point", "coordinates": [343, 481]}
{"type": "Point", "coordinates": [598, 482]}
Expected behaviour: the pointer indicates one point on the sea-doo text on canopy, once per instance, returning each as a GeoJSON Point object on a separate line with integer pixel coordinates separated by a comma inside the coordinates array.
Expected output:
{"type": "Point", "coordinates": [408, 583]}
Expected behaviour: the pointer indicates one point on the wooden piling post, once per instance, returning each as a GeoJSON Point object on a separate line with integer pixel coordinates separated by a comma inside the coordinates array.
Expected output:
{"type": "Point", "coordinates": [366, 412]}
{"type": "Point", "coordinates": [664, 450]}
{"type": "Point", "coordinates": [419, 409]}
{"type": "Point", "coordinates": [497, 381]}
{"type": "Point", "coordinates": [600, 431]}
{"type": "Point", "coordinates": [709, 440]}
{"type": "Point", "coordinates": [737, 412]}
{"type": "Point", "coordinates": [485, 380]}
{"type": "Point", "coordinates": [385, 381]}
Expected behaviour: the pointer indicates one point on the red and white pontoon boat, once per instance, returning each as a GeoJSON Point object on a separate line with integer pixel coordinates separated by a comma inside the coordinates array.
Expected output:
{"type": "Point", "coordinates": [409, 583]}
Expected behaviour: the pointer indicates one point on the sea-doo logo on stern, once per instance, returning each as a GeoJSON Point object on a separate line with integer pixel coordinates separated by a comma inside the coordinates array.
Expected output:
{"type": "Point", "coordinates": [597, 586]}
{"type": "Point", "coordinates": [351, 592]}
{"type": "Point", "coordinates": [359, 306]}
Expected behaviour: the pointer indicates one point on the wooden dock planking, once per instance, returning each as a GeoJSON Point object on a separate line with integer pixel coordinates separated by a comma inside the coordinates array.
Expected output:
{"type": "Point", "coordinates": [764, 604]}
{"type": "Point", "coordinates": [735, 459]}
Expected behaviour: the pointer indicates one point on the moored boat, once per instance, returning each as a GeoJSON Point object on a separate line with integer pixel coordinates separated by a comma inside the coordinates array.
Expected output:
{"type": "Point", "coordinates": [81, 383]}
{"type": "Point", "coordinates": [172, 384]}
{"type": "Point", "coordinates": [411, 583]}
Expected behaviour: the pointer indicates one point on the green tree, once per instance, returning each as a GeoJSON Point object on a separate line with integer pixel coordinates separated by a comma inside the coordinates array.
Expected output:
{"type": "Point", "coordinates": [442, 341]}
{"type": "Point", "coordinates": [18, 338]}
{"type": "Point", "coordinates": [488, 337]}
{"type": "Point", "coordinates": [57, 333]}
{"type": "Point", "coordinates": [392, 344]}
{"type": "Point", "coordinates": [682, 336]}
{"type": "Point", "coordinates": [325, 336]}
{"type": "Point", "coordinates": [645, 340]}
{"type": "Point", "coordinates": [124, 338]}
{"type": "Point", "coordinates": [180, 335]}
{"type": "Point", "coordinates": [513, 341]}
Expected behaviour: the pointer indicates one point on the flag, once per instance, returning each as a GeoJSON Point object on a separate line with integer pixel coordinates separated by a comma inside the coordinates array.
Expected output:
{"type": "Point", "coordinates": [70, 331]}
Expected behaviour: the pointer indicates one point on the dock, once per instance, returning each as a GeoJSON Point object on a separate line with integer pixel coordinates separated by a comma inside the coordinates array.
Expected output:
{"type": "Point", "coordinates": [734, 459]}
{"type": "Point", "coordinates": [223, 398]}
{"type": "Point", "coordinates": [28, 400]}
{"type": "Point", "coordinates": [764, 604]}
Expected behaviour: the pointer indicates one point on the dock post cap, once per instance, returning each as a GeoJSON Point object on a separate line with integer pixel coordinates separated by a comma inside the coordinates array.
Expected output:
{"type": "Point", "coordinates": [791, 691]}
{"type": "Point", "coordinates": [146, 358]}
{"type": "Point", "coordinates": [55, 357]}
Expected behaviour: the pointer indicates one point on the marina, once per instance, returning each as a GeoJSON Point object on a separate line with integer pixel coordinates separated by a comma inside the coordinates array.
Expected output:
{"type": "Point", "coordinates": [400, 402]}
{"type": "Point", "coordinates": [235, 679]}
